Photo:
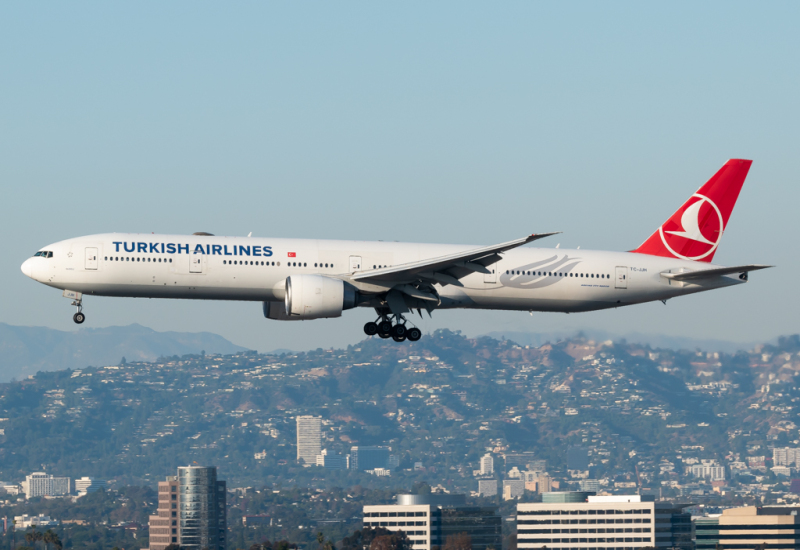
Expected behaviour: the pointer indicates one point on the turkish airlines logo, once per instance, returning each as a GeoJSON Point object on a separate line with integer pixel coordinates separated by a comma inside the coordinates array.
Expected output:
{"type": "Point", "coordinates": [695, 232]}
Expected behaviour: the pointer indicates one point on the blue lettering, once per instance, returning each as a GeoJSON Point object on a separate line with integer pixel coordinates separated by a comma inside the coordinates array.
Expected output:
{"type": "Point", "coordinates": [256, 250]}
{"type": "Point", "coordinates": [216, 249]}
{"type": "Point", "coordinates": [244, 250]}
{"type": "Point", "coordinates": [170, 248]}
{"type": "Point", "coordinates": [153, 247]}
{"type": "Point", "coordinates": [199, 248]}
{"type": "Point", "coordinates": [117, 243]}
{"type": "Point", "coordinates": [208, 249]}
{"type": "Point", "coordinates": [235, 251]}
{"type": "Point", "coordinates": [133, 247]}
{"type": "Point", "coordinates": [184, 247]}
{"type": "Point", "coordinates": [142, 247]}
{"type": "Point", "coordinates": [267, 251]}
{"type": "Point", "coordinates": [162, 248]}
{"type": "Point", "coordinates": [226, 251]}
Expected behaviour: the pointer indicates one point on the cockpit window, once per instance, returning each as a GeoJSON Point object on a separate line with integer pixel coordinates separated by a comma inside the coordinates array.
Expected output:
{"type": "Point", "coordinates": [44, 254]}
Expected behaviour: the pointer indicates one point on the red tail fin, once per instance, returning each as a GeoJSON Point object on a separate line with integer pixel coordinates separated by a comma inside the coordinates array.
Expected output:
{"type": "Point", "coordinates": [695, 230]}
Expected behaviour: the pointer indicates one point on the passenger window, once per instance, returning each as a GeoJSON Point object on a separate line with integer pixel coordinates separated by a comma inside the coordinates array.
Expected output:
{"type": "Point", "coordinates": [170, 260]}
{"type": "Point", "coordinates": [304, 264]}
{"type": "Point", "coordinates": [279, 264]}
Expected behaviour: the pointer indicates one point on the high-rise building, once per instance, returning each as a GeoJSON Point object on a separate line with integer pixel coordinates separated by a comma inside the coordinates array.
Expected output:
{"type": "Point", "coordinates": [513, 488]}
{"type": "Point", "coordinates": [487, 487]}
{"type": "Point", "coordinates": [487, 465]}
{"type": "Point", "coordinates": [369, 458]}
{"type": "Point", "coordinates": [332, 461]}
{"type": "Point", "coordinates": [623, 522]}
{"type": "Point", "coordinates": [309, 439]}
{"type": "Point", "coordinates": [40, 484]}
{"type": "Point", "coordinates": [191, 511]}
{"type": "Point", "coordinates": [749, 527]}
{"type": "Point", "coordinates": [429, 520]}
{"type": "Point", "coordinates": [87, 485]}
{"type": "Point", "coordinates": [785, 456]}
{"type": "Point", "coordinates": [544, 484]}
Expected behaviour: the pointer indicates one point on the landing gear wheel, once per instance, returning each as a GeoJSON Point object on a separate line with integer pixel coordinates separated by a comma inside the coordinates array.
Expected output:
{"type": "Point", "coordinates": [399, 338]}
{"type": "Point", "coordinates": [414, 334]}
{"type": "Point", "coordinates": [398, 331]}
{"type": "Point", "coordinates": [384, 335]}
{"type": "Point", "coordinates": [79, 318]}
{"type": "Point", "coordinates": [371, 328]}
{"type": "Point", "coordinates": [385, 327]}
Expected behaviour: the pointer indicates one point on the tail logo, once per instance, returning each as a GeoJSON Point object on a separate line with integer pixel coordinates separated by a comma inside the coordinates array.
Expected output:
{"type": "Point", "coordinates": [699, 222]}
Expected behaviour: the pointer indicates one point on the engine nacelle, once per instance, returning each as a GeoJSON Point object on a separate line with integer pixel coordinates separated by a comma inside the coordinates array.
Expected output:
{"type": "Point", "coordinates": [317, 297]}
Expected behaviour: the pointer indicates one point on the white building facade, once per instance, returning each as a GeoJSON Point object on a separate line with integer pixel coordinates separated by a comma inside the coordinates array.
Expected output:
{"type": "Point", "coordinates": [415, 520]}
{"type": "Point", "coordinates": [603, 523]}
{"type": "Point", "coordinates": [309, 439]}
{"type": "Point", "coordinates": [40, 484]}
{"type": "Point", "coordinates": [87, 485]}
{"type": "Point", "coordinates": [487, 465]}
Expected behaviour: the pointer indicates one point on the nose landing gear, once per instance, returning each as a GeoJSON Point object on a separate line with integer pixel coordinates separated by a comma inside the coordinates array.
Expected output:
{"type": "Point", "coordinates": [397, 331]}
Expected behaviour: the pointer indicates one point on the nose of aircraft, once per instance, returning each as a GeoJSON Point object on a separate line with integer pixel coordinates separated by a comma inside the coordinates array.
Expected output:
{"type": "Point", "coordinates": [27, 267]}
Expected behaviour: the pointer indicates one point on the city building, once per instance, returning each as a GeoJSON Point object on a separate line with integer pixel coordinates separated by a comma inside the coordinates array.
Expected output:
{"type": "Point", "coordinates": [544, 483]}
{"type": "Point", "coordinates": [369, 458]}
{"type": "Point", "coordinates": [603, 522]}
{"type": "Point", "coordinates": [191, 511]}
{"type": "Point", "coordinates": [748, 527]}
{"type": "Point", "coordinates": [562, 497]}
{"type": "Point", "coordinates": [513, 488]}
{"type": "Point", "coordinates": [309, 439]}
{"type": "Point", "coordinates": [708, 469]}
{"type": "Point", "coordinates": [487, 487]}
{"type": "Point", "coordinates": [87, 485]}
{"type": "Point", "coordinates": [785, 456]}
{"type": "Point", "coordinates": [26, 521]}
{"type": "Point", "coordinates": [487, 465]}
{"type": "Point", "coordinates": [429, 520]}
{"type": "Point", "coordinates": [589, 485]}
{"type": "Point", "coordinates": [40, 484]}
{"type": "Point", "coordinates": [332, 461]}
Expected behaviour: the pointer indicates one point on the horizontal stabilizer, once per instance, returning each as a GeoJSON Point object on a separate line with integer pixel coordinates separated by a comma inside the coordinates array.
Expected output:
{"type": "Point", "coordinates": [715, 272]}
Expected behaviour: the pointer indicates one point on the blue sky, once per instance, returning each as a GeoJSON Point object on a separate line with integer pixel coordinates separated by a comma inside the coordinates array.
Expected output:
{"type": "Point", "coordinates": [436, 122]}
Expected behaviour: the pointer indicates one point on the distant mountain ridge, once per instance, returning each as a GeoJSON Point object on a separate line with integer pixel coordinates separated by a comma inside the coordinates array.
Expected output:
{"type": "Point", "coordinates": [26, 350]}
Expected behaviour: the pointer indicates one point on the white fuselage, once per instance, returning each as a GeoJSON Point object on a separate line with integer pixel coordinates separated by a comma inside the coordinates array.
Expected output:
{"type": "Point", "coordinates": [250, 268]}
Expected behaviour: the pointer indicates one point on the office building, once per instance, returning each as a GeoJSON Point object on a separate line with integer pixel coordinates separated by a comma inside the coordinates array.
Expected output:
{"type": "Point", "coordinates": [785, 456]}
{"type": "Point", "coordinates": [589, 485]}
{"type": "Point", "coordinates": [513, 488]}
{"type": "Point", "coordinates": [429, 520]}
{"type": "Point", "coordinates": [708, 469]}
{"type": "Point", "coordinates": [487, 487]}
{"type": "Point", "coordinates": [25, 521]}
{"type": "Point", "coordinates": [87, 485]}
{"type": "Point", "coordinates": [369, 458]}
{"type": "Point", "coordinates": [40, 484]}
{"type": "Point", "coordinates": [563, 497]}
{"type": "Point", "coordinates": [487, 465]}
{"type": "Point", "coordinates": [309, 439]}
{"type": "Point", "coordinates": [332, 461]}
{"type": "Point", "coordinates": [191, 511]}
{"type": "Point", "coordinates": [603, 522]}
{"type": "Point", "coordinates": [748, 527]}
{"type": "Point", "coordinates": [544, 484]}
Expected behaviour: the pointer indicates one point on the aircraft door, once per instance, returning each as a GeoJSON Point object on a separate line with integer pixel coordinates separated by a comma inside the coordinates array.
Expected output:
{"type": "Point", "coordinates": [622, 277]}
{"type": "Point", "coordinates": [491, 277]}
{"type": "Point", "coordinates": [355, 264]}
{"type": "Point", "coordinates": [91, 258]}
{"type": "Point", "coordinates": [196, 263]}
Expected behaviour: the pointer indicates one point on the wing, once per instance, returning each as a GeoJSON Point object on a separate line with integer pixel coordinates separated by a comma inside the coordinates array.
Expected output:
{"type": "Point", "coordinates": [445, 269]}
{"type": "Point", "coordinates": [714, 272]}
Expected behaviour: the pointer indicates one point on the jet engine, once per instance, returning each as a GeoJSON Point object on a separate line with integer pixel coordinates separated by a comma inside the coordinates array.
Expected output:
{"type": "Point", "coordinates": [318, 297]}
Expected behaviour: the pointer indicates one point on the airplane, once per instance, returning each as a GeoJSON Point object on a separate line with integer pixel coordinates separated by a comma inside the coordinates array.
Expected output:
{"type": "Point", "coordinates": [304, 279]}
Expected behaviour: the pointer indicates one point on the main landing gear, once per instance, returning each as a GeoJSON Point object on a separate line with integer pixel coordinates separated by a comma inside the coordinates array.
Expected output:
{"type": "Point", "coordinates": [79, 317]}
{"type": "Point", "coordinates": [397, 331]}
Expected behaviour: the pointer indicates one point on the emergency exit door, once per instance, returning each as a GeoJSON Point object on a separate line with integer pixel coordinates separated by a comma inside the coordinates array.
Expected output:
{"type": "Point", "coordinates": [91, 258]}
{"type": "Point", "coordinates": [196, 263]}
{"type": "Point", "coordinates": [355, 264]}
{"type": "Point", "coordinates": [622, 277]}
{"type": "Point", "coordinates": [491, 277]}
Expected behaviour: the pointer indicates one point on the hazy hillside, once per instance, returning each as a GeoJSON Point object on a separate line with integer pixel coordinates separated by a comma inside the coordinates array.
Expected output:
{"type": "Point", "coordinates": [27, 350]}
